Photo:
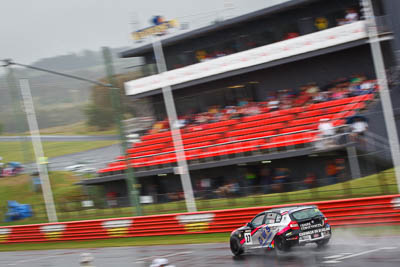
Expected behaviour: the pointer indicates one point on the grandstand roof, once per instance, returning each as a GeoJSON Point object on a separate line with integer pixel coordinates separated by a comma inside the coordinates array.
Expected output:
{"type": "Point", "coordinates": [259, 67]}
{"type": "Point", "coordinates": [215, 27]}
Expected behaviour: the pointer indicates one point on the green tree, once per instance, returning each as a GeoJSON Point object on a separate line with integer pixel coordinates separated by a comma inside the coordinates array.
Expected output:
{"type": "Point", "coordinates": [101, 117]}
{"type": "Point", "coordinates": [99, 112]}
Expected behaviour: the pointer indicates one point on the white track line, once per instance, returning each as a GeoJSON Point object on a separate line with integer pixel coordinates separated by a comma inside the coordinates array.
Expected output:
{"type": "Point", "coordinates": [164, 256]}
{"type": "Point", "coordinates": [358, 254]}
{"type": "Point", "coordinates": [30, 260]}
{"type": "Point", "coordinates": [337, 256]}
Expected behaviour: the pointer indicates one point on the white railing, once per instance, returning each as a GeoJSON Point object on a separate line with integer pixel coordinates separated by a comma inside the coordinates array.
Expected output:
{"type": "Point", "coordinates": [267, 53]}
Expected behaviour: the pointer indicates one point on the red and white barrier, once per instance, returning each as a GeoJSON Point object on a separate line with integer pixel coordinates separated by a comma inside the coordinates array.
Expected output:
{"type": "Point", "coordinates": [355, 212]}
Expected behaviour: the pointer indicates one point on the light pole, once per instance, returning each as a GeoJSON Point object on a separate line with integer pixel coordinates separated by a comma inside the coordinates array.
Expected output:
{"type": "Point", "coordinates": [384, 92]}
{"type": "Point", "coordinates": [18, 114]}
{"type": "Point", "coordinates": [116, 103]}
{"type": "Point", "coordinates": [182, 169]}
{"type": "Point", "coordinates": [38, 149]}
{"type": "Point", "coordinates": [130, 178]}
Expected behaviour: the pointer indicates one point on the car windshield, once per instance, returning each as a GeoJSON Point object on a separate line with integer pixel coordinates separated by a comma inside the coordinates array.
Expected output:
{"type": "Point", "coordinates": [306, 214]}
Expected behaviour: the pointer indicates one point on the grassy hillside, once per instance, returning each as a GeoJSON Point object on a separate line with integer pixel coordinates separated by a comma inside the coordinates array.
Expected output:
{"type": "Point", "coordinates": [79, 128]}
{"type": "Point", "coordinates": [67, 197]}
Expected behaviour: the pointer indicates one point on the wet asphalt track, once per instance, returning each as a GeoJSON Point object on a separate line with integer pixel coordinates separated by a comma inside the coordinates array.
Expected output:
{"type": "Point", "coordinates": [347, 250]}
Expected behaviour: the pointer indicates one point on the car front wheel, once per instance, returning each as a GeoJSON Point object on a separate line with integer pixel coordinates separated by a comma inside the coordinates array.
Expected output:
{"type": "Point", "coordinates": [236, 247]}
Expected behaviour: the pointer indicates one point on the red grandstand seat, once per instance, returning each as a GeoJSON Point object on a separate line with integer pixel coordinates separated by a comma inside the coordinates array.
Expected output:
{"type": "Point", "coordinates": [255, 135]}
{"type": "Point", "coordinates": [194, 154]}
{"type": "Point", "coordinates": [197, 145]}
{"type": "Point", "coordinates": [154, 141]}
{"type": "Point", "coordinates": [205, 132]}
{"type": "Point", "coordinates": [244, 125]}
{"type": "Point", "coordinates": [343, 101]}
{"type": "Point", "coordinates": [256, 117]}
{"type": "Point", "coordinates": [353, 106]}
{"type": "Point", "coordinates": [147, 148]}
{"type": "Point", "coordinates": [311, 113]}
{"type": "Point", "coordinates": [299, 128]}
{"type": "Point", "coordinates": [157, 135]}
{"type": "Point", "coordinates": [164, 159]}
{"type": "Point", "coordinates": [201, 139]}
{"type": "Point", "coordinates": [316, 119]}
{"type": "Point", "coordinates": [207, 126]}
{"type": "Point", "coordinates": [338, 122]}
{"type": "Point", "coordinates": [263, 128]}
{"type": "Point", "coordinates": [144, 153]}
{"type": "Point", "coordinates": [293, 139]}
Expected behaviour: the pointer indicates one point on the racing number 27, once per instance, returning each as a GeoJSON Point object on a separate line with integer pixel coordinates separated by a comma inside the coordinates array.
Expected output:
{"type": "Point", "coordinates": [247, 238]}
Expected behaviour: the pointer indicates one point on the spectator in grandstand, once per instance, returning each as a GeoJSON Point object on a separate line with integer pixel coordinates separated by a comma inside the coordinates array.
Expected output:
{"type": "Point", "coordinates": [355, 88]}
{"type": "Point", "coordinates": [234, 188]}
{"type": "Point", "coordinates": [205, 187]}
{"type": "Point", "coordinates": [338, 93]}
{"type": "Point", "coordinates": [180, 123]}
{"type": "Point", "coordinates": [321, 97]}
{"type": "Point", "coordinates": [331, 172]}
{"type": "Point", "coordinates": [302, 98]}
{"type": "Point", "coordinates": [291, 35]}
{"type": "Point", "coordinates": [280, 178]}
{"type": "Point", "coordinates": [273, 104]}
{"type": "Point", "coordinates": [310, 180]}
{"type": "Point", "coordinates": [156, 127]}
{"type": "Point", "coordinates": [351, 16]}
{"type": "Point", "coordinates": [286, 103]}
{"type": "Point", "coordinates": [312, 89]}
{"type": "Point", "coordinates": [230, 110]}
{"type": "Point", "coordinates": [243, 102]}
{"type": "Point", "coordinates": [250, 180]}
{"type": "Point", "coordinates": [359, 126]}
{"type": "Point", "coordinates": [367, 87]}
{"type": "Point", "coordinates": [341, 169]}
{"type": "Point", "coordinates": [251, 109]}
{"type": "Point", "coordinates": [201, 118]}
{"type": "Point", "coordinates": [326, 133]}
{"type": "Point", "coordinates": [266, 179]}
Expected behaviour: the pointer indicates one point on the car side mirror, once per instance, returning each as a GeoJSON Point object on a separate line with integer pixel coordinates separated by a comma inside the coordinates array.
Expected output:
{"type": "Point", "coordinates": [249, 224]}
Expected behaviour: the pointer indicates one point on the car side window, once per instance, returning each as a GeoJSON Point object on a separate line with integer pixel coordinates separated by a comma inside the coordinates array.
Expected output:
{"type": "Point", "coordinates": [258, 220]}
{"type": "Point", "coordinates": [270, 217]}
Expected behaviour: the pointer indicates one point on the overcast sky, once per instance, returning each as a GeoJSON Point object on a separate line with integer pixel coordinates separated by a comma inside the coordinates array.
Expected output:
{"type": "Point", "coordinates": [34, 29]}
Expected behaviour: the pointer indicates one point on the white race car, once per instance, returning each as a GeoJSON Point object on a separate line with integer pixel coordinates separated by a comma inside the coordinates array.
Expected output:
{"type": "Point", "coordinates": [282, 228]}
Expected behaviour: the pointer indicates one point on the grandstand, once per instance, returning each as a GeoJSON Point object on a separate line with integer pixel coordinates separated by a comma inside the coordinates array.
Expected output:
{"type": "Point", "coordinates": [251, 97]}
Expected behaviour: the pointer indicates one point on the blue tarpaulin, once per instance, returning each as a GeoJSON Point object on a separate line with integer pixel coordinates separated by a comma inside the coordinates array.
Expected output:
{"type": "Point", "coordinates": [17, 211]}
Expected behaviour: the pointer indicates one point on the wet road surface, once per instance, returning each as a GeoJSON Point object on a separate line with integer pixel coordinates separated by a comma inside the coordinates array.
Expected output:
{"type": "Point", "coordinates": [346, 250]}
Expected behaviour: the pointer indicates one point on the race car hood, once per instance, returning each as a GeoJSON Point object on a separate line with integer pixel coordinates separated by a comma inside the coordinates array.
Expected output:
{"type": "Point", "coordinates": [243, 228]}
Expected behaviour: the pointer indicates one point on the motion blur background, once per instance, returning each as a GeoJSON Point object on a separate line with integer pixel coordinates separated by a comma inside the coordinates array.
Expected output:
{"type": "Point", "coordinates": [276, 102]}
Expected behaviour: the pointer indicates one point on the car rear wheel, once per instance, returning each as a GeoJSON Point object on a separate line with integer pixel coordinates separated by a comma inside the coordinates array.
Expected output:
{"type": "Point", "coordinates": [236, 247]}
{"type": "Point", "coordinates": [281, 244]}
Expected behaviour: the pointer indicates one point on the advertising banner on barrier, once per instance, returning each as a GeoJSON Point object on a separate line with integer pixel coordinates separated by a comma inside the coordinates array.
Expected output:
{"type": "Point", "coordinates": [380, 210]}
{"type": "Point", "coordinates": [117, 228]}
